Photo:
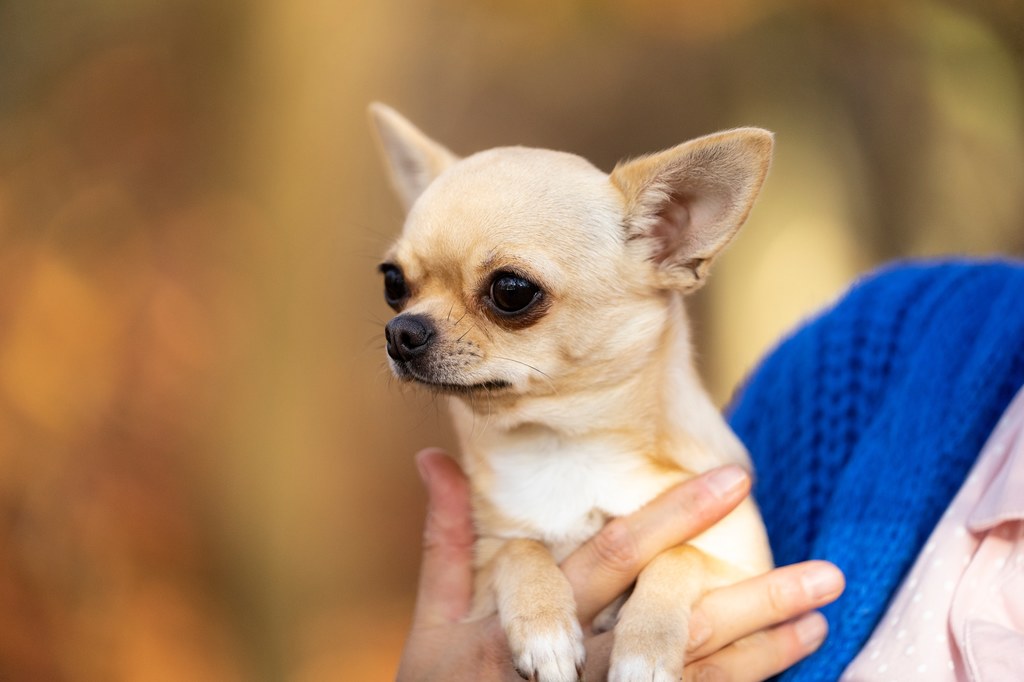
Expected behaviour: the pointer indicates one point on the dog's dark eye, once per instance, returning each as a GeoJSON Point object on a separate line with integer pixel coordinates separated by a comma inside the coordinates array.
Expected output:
{"type": "Point", "coordinates": [395, 289]}
{"type": "Point", "coordinates": [512, 294]}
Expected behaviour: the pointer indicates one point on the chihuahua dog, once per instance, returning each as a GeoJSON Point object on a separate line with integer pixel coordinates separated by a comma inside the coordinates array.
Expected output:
{"type": "Point", "coordinates": [546, 298]}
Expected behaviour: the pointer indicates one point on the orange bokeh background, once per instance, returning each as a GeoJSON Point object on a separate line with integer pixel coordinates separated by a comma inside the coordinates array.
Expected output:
{"type": "Point", "coordinates": [205, 471]}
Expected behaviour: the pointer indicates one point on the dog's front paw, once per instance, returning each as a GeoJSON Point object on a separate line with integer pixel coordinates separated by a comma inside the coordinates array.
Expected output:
{"type": "Point", "coordinates": [547, 649]}
{"type": "Point", "coordinates": [656, 658]}
{"type": "Point", "coordinates": [648, 648]}
{"type": "Point", "coordinates": [639, 668]}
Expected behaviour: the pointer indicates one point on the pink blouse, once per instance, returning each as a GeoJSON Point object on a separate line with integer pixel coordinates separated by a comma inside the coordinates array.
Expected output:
{"type": "Point", "coordinates": [959, 614]}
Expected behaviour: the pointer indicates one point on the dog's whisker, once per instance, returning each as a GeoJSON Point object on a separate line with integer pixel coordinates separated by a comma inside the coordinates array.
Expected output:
{"type": "Point", "coordinates": [547, 377]}
{"type": "Point", "coordinates": [524, 364]}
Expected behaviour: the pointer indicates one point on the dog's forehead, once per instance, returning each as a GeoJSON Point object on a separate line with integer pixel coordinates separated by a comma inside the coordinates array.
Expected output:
{"type": "Point", "coordinates": [513, 199]}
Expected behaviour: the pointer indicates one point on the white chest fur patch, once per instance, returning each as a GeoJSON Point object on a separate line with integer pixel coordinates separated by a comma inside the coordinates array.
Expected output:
{"type": "Point", "coordinates": [565, 490]}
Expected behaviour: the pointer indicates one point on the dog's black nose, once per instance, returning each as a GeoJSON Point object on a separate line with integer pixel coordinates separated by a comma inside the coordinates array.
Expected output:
{"type": "Point", "coordinates": [408, 336]}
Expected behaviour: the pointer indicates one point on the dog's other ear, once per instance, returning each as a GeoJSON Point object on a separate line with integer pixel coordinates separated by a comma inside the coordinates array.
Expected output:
{"type": "Point", "coordinates": [685, 203]}
{"type": "Point", "coordinates": [413, 159]}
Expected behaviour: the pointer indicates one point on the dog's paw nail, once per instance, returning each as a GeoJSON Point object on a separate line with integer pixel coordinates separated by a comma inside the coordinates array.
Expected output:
{"type": "Point", "coordinates": [548, 654]}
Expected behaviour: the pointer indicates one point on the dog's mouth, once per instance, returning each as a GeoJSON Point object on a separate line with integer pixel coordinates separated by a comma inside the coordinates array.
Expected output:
{"type": "Point", "coordinates": [465, 389]}
{"type": "Point", "coordinates": [404, 371]}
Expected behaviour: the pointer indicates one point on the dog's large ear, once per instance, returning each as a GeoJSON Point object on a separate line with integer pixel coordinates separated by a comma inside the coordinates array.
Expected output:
{"type": "Point", "coordinates": [413, 159]}
{"type": "Point", "coordinates": [684, 204]}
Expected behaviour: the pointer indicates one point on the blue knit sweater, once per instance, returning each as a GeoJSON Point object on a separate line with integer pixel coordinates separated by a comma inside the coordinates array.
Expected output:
{"type": "Point", "coordinates": [863, 424]}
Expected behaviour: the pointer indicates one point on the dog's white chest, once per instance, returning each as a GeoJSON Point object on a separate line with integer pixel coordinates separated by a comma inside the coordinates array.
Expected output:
{"type": "Point", "coordinates": [562, 491]}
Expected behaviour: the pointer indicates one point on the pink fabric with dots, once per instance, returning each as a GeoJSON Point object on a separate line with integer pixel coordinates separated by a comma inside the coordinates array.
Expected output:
{"type": "Point", "coordinates": [959, 615]}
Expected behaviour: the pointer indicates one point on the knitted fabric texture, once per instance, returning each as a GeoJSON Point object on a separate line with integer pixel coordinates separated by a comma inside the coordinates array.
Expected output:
{"type": "Point", "coordinates": [864, 423]}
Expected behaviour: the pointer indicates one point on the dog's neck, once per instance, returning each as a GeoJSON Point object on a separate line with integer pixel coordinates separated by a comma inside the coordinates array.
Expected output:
{"type": "Point", "coordinates": [660, 411]}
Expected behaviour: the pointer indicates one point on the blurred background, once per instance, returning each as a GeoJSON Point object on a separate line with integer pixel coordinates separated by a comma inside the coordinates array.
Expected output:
{"type": "Point", "coordinates": [205, 472]}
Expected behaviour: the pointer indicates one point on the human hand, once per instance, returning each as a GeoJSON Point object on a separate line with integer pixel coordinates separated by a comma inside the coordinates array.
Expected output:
{"type": "Point", "coordinates": [747, 631]}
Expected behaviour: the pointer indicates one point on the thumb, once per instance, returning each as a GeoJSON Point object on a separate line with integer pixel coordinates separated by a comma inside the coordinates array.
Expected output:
{"type": "Point", "coordinates": [446, 573]}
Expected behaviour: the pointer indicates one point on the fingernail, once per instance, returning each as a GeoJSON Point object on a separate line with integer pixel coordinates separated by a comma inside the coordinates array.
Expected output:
{"type": "Point", "coordinates": [422, 467]}
{"type": "Point", "coordinates": [726, 481]}
{"type": "Point", "coordinates": [821, 582]}
{"type": "Point", "coordinates": [700, 630]}
{"type": "Point", "coordinates": [811, 630]}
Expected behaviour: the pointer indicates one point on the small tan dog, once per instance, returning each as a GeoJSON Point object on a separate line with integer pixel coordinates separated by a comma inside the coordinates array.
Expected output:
{"type": "Point", "coordinates": [546, 297]}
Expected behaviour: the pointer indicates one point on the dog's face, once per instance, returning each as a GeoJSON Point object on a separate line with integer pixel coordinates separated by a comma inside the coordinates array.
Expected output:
{"type": "Point", "coordinates": [529, 272]}
{"type": "Point", "coordinates": [510, 272]}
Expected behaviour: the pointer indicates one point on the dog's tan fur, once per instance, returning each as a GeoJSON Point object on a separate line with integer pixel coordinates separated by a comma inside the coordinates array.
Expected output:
{"type": "Point", "coordinates": [585, 406]}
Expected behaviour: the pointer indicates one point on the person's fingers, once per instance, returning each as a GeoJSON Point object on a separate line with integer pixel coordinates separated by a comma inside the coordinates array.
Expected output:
{"type": "Point", "coordinates": [762, 654]}
{"type": "Point", "coordinates": [730, 613]}
{"type": "Point", "coordinates": [757, 656]}
{"type": "Point", "coordinates": [446, 573]}
{"type": "Point", "coordinates": [609, 562]}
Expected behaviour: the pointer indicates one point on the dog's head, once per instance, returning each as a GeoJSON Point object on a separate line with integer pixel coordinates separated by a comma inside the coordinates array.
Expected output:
{"type": "Point", "coordinates": [527, 271]}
